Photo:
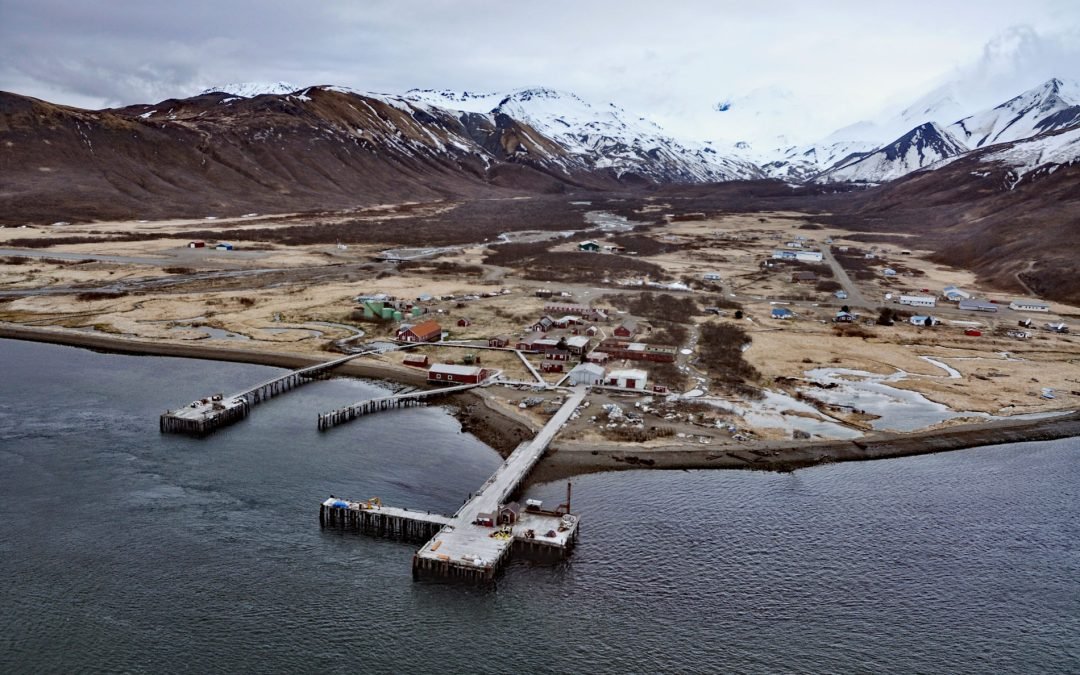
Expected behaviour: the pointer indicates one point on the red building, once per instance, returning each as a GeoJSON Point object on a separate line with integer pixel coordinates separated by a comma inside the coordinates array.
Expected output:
{"type": "Point", "coordinates": [416, 360]}
{"type": "Point", "coordinates": [449, 373]}
{"type": "Point", "coordinates": [427, 331]}
{"type": "Point", "coordinates": [551, 366]}
{"type": "Point", "coordinates": [499, 341]}
{"type": "Point", "coordinates": [627, 329]}
{"type": "Point", "coordinates": [638, 351]}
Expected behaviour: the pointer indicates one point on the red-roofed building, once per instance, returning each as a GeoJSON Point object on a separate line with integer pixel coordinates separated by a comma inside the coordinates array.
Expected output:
{"type": "Point", "coordinates": [426, 331]}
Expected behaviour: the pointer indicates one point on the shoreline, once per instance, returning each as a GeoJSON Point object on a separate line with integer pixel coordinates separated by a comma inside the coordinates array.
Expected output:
{"type": "Point", "coordinates": [503, 431]}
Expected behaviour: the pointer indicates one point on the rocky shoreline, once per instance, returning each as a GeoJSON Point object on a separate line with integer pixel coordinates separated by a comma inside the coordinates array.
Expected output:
{"type": "Point", "coordinates": [503, 431]}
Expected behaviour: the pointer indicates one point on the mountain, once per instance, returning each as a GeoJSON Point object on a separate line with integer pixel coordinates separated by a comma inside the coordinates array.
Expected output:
{"type": "Point", "coordinates": [800, 163]}
{"type": "Point", "coordinates": [280, 148]}
{"type": "Point", "coordinates": [315, 148]}
{"type": "Point", "coordinates": [1052, 105]}
{"type": "Point", "coordinates": [921, 147]}
{"type": "Point", "coordinates": [1006, 212]}
{"type": "Point", "coordinates": [251, 89]}
{"type": "Point", "coordinates": [601, 137]}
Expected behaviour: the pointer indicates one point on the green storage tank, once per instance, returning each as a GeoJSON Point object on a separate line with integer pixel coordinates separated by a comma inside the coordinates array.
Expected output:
{"type": "Point", "coordinates": [417, 311]}
{"type": "Point", "coordinates": [387, 312]}
{"type": "Point", "coordinates": [398, 316]}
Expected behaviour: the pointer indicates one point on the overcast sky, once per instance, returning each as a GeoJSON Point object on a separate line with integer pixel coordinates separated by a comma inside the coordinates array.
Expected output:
{"type": "Point", "coordinates": [788, 66]}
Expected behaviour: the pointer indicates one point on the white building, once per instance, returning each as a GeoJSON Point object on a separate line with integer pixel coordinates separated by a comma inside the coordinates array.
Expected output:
{"type": "Point", "coordinates": [587, 373]}
{"type": "Point", "coordinates": [712, 276]}
{"type": "Point", "coordinates": [810, 256]}
{"type": "Point", "coordinates": [1029, 306]}
{"type": "Point", "coordinates": [630, 378]}
{"type": "Point", "coordinates": [955, 294]}
{"type": "Point", "coordinates": [920, 320]}
{"type": "Point", "coordinates": [918, 300]}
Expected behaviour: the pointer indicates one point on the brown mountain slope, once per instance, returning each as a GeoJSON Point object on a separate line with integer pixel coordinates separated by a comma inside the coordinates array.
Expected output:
{"type": "Point", "coordinates": [211, 155]}
{"type": "Point", "coordinates": [1021, 236]}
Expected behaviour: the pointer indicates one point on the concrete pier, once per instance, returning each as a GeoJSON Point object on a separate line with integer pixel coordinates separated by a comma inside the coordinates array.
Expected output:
{"type": "Point", "coordinates": [477, 541]}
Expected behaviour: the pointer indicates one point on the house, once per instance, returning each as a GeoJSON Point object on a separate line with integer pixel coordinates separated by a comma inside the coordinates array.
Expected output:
{"type": "Point", "coordinates": [637, 351]}
{"type": "Point", "coordinates": [543, 325]}
{"type": "Point", "coordinates": [804, 278]}
{"type": "Point", "coordinates": [629, 378]}
{"type": "Point", "coordinates": [921, 320]}
{"type": "Point", "coordinates": [567, 321]}
{"type": "Point", "coordinates": [1029, 306]}
{"type": "Point", "coordinates": [589, 313]}
{"type": "Point", "coordinates": [592, 330]}
{"type": "Point", "coordinates": [844, 317]}
{"type": "Point", "coordinates": [711, 276]}
{"type": "Point", "coordinates": [416, 360]}
{"type": "Point", "coordinates": [500, 341]}
{"type": "Point", "coordinates": [782, 313]}
{"type": "Point", "coordinates": [975, 305]}
{"type": "Point", "coordinates": [614, 248]}
{"type": "Point", "coordinates": [918, 300]}
{"type": "Point", "coordinates": [196, 244]}
{"type": "Point", "coordinates": [588, 246]}
{"type": "Point", "coordinates": [425, 331]}
{"type": "Point", "coordinates": [597, 357]}
{"type": "Point", "coordinates": [587, 373]}
{"type": "Point", "coordinates": [509, 513]}
{"type": "Point", "coordinates": [545, 345]}
{"type": "Point", "coordinates": [1057, 327]}
{"type": "Point", "coordinates": [223, 247]}
{"type": "Point", "coordinates": [526, 342]}
{"type": "Point", "coordinates": [463, 322]}
{"type": "Point", "coordinates": [549, 366]}
{"type": "Point", "coordinates": [558, 355]}
{"type": "Point", "coordinates": [449, 373]}
{"type": "Point", "coordinates": [544, 293]}
{"type": "Point", "coordinates": [1018, 334]}
{"type": "Point", "coordinates": [578, 344]}
{"type": "Point", "coordinates": [955, 294]}
{"type": "Point", "coordinates": [627, 329]}
{"type": "Point", "coordinates": [783, 255]}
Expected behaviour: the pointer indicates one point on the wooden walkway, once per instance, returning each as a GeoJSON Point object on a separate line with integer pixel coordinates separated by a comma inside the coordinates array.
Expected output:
{"type": "Point", "coordinates": [329, 420]}
{"type": "Point", "coordinates": [209, 414]}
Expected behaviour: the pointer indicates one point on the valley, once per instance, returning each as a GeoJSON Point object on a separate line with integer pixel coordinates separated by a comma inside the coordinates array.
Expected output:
{"type": "Point", "coordinates": [808, 354]}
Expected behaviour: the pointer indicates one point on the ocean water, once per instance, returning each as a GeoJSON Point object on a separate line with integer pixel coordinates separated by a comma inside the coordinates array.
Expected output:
{"type": "Point", "coordinates": [122, 549]}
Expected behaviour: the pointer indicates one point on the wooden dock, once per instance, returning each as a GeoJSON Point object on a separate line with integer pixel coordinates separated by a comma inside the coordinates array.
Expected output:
{"type": "Point", "coordinates": [372, 518]}
{"type": "Point", "coordinates": [468, 546]}
{"type": "Point", "coordinates": [329, 420]}
{"type": "Point", "coordinates": [209, 414]}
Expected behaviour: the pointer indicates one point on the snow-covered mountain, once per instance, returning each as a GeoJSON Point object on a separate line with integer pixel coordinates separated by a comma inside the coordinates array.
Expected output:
{"type": "Point", "coordinates": [601, 137]}
{"type": "Point", "coordinates": [921, 147]}
{"type": "Point", "coordinates": [251, 89]}
{"type": "Point", "coordinates": [1033, 157]}
{"type": "Point", "coordinates": [1052, 105]}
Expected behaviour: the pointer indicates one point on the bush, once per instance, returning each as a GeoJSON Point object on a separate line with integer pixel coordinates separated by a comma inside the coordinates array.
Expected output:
{"type": "Point", "coordinates": [721, 348]}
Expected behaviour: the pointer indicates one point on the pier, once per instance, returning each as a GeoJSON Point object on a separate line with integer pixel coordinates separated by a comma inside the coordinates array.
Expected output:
{"type": "Point", "coordinates": [476, 542]}
{"type": "Point", "coordinates": [209, 414]}
{"type": "Point", "coordinates": [329, 420]}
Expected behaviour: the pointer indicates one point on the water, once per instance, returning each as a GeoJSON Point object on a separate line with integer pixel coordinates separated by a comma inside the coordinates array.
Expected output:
{"type": "Point", "coordinates": [123, 549]}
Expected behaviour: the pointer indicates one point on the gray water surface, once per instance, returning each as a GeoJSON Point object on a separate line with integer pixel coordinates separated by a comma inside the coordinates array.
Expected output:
{"type": "Point", "coordinates": [124, 549]}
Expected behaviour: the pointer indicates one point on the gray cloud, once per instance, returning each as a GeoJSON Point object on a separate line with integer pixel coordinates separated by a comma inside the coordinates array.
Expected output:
{"type": "Point", "coordinates": [672, 61]}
